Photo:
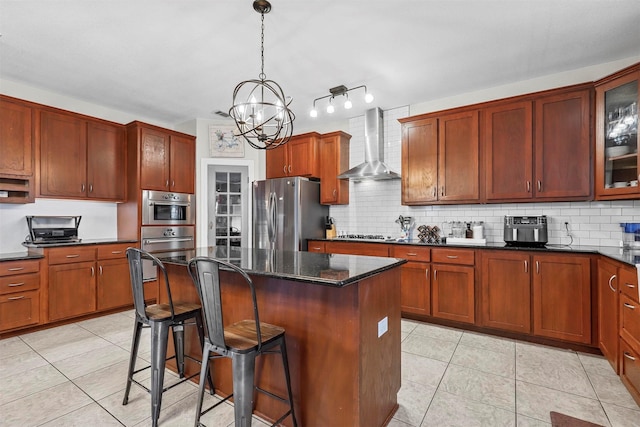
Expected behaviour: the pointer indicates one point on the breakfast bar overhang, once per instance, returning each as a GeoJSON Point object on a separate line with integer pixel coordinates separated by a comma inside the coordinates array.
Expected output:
{"type": "Point", "coordinates": [341, 314]}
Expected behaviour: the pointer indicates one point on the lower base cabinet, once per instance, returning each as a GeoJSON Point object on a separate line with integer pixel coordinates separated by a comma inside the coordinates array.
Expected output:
{"type": "Point", "coordinates": [630, 369]}
{"type": "Point", "coordinates": [608, 296]}
{"type": "Point", "coordinates": [453, 292]}
{"type": "Point", "coordinates": [114, 285]}
{"type": "Point", "coordinates": [72, 290]}
{"type": "Point", "coordinates": [20, 309]}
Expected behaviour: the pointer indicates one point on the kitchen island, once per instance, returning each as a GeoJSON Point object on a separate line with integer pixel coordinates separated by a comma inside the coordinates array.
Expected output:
{"type": "Point", "coordinates": [341, 314]}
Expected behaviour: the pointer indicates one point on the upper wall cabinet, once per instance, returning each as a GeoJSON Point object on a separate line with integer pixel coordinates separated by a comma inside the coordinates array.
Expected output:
{"type": "Point", "coordinates": [617, 158]}
{"type": "Point", "coordinates": [16, 151]}
{"type": "Point", "coordinates": [298, 157]}
{"type": "Point", "coordinates": [334, 159]}
{"type": "Point", "coordinates": [552, 162]}
{"type": "Point", "coordinates": [81, 158]}
{"type": "Point", "coordinates": [440, 162]}
{"type": "Point", "coordinates": [167, 159]}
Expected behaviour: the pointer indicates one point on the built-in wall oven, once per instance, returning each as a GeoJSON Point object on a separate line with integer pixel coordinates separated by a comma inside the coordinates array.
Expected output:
{"type": "Point", "coordinates": [165, 208]}
{"type": "Point", "coordinates": [173, 239]}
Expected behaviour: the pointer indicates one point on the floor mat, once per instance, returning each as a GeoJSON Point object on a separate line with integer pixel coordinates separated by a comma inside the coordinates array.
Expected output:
{"type": "Point", "coordinates": [562, 420]}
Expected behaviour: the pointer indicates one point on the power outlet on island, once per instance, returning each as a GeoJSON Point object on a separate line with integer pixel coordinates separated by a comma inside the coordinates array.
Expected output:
{"type": "Point", "coordinates": [383, 326]}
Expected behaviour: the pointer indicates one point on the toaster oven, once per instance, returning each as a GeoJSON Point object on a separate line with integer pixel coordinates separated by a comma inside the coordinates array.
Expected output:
{"type": "Point", "coordinates": [525, 230]}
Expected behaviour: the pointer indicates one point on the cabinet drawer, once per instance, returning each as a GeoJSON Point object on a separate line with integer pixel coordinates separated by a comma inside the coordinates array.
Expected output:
{"type": "Point", "coordinates": [19, 283]}
{"type": "Point", "coordinates": [113, 251]}
{"type": "Point", "coordinates": [629, 282]}
{"type": "Point", "coordinates": [411, 253]}
{"type": "Point", "coordinates": [630, 321]}
{"type": "Point", "coordinates": [630, 369]}
{"type": "Point", "coordinates": [453, 256]}
{"type": "Point", "coordinates": [19, 267]}
{"type": "Point", "coordinates": [19, 309]}
{"type": "Point", "coordinates": [71, 254]}
{"type": "Point", "coordinates": [317, 247]}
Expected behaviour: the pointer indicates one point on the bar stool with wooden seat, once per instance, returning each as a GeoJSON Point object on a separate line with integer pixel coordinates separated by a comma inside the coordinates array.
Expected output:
{"type": "Point", "coordinates": [159, 317]}
{"type": "Point", "coordinates": [242, 342]}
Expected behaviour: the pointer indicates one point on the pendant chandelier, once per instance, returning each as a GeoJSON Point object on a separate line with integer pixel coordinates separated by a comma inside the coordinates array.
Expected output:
{"type": "Point", "coordinates": [260, 109]}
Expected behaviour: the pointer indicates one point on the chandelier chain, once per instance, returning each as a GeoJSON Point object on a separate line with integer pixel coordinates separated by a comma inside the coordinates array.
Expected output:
{"type": "Point", "coordinates": [262, 75]}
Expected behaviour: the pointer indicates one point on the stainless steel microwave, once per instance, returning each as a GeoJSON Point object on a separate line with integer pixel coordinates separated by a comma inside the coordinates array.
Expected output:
{"type": "Point", "coordinates": [165, 208]}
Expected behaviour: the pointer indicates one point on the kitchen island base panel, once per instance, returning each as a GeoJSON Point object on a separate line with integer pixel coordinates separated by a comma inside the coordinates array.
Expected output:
{"type": "Point", "coordinates": [345, 367]}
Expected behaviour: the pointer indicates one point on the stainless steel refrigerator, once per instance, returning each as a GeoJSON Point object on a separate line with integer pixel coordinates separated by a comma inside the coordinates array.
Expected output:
{"type": "Point", "coordinates": [287, 213]}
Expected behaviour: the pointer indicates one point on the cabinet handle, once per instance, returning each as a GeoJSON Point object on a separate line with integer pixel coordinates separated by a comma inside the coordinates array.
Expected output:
{"type": "Point", "coordinates": [628, 356]}
{"type": "Point", "coordinates": [284, 169]}
{"type": "Point", "coordinates": [452, 256]}
{"type": "Point", "coordinates": [632, 307]}
{"type": "Point", "coordinates": [335, 192]}
{"type": "Point", "coordinates": [289, 168]}
{"type": "Point", "coordinates": [426, 274]}
{"type": "Point", "coordinates": [611, 279]}
{"type": "Point", "coordinates": [173, 183]}
{"type": "Point", "coordinates": [435, 274]}
{"type": "Point", "coordinates": [167, 184]}
{"type": "Point", "coordinates": [442, 190]}
{"type": "Point", "coordinates": [73, 256]}
{"type": "Point", "coordinates": [82, 188]}
{"type": "Point", "coordinates": [528, 186]}
{"type": "Point", "coordinates": [316, 248]}
{"type": "Point", "coordinates": [539, 185]}
{"type": "Point", "coordinates": [116, 252]}
{"type": "Point", "coordinates": [538, 267]}
{"type": "Point", "coordinates": [526, 266]}
{"type": "Point", "coordinates": [100, 269]}
{"type": "Point", "coordinates": [16, 269]}
{"type": "Point", "coordinates": [412, 254]}
{"type": "Point", "coordinates": [435, 191]}
{"type": "Point", "coordinates": [629, 285]}
{"type": "Point", "coordinates": [93, 271]}
{"type": "Point", "coordinates": [90, 188]}
{"type": "Point", "coordinates": [15, 298]}
{"type": "Point", "coordinates": [13, 285]}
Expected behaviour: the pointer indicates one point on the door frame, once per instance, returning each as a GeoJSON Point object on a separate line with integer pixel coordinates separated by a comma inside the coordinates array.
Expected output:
{"type": "Point", "coordinates": [202, 208]}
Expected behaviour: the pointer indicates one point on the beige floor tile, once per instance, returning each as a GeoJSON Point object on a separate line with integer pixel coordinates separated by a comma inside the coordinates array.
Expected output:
{"type": "Point", "coordinates": [480, 386]}
{"type": "Point", "coordinates": [110, 379]}
{"type": "Point", "coordinates": [439, 332]}
{"type": "Point", "coordinates": [413, 401]}
{"type": "Point", "coordinates": [85, 363]}
{"type": "Point", "coordinates": [553, 368]}
{"type": "Point", "coordinates": [182, 414]}
{"type": "Point", "coordinates": [537, 402]}
{"type": "Point", "coordinates": [522, 421]}
{"type": "Point", "coordinates": [22, 362]}
{"type": "Point", "coordinates": [622, 417]}
{"type": "Point", "coordinates": [11, 347]}
{"type": "Point", "coordinates": [144, 346]}
{"type": "Point", "coordinates": [44, 406]}
{"type": "Point", "coordinates": [595, 364]}
{"type": "Point", "coordinates": [29, 382]}
{"type": "Point", "coordinates": [448, 410]}
{"type": "Point", "coordinates": [488, 342]}
{"type": "Point", "coordinates": [64, 341]}
{"type": "Point", "coordinates": [407, 325]}
{"type": "Point", "coordinates": [90, 415]}
{"type": "Point", "coordinates": [397, 423]}
{"type": "Point", "coordinates": [496, 363]}
{"type": "Point", "coordinates": [114, 328]}
{"type": "Point", "coordinates": [611, 390]}
{"type": "Point", "coordinates": [422, 370]}
{"type": "Point", "coordinates": [426, 346]}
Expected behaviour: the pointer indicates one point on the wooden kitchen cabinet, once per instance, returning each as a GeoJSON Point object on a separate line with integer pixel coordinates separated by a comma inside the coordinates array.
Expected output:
{"type": "Point", "coordinates": [415, 291]}
{"type": "Point", "coordinates": [113, 286]}
{"type": "Point", "coordinates": [72, 290]}
{"type": "Point", "coordinates": [505, 285]}
{"type": "Point", "coordinates": [16, 138]}
{"type": "Point", "coordinates": [166, 158]}
{"type": "Point", "coordinates": [562, 297]}
{"type": "Point", "coordinates": [508, 151]}
{"type": "Point", "coordinates": [629, 354]}
{"type": "Point", "coordinates": [617, 167]}
{"type": "Point", "coordinates": [298, 157]}
{"type": "Point", "coordinates": [453, 285]}
{"type": "Point", "coordinates": [95, 149]}
{"type": "Point", "coordinates": [334, 160]}
{"type": "Point", "coordinates": [316, 246]}
{"type": "Point", "coordinates": [630, 369]}
{"type": "Point", "coordinates": [440, 159]}
{"type": "Point", "coordinates": [357, 248]}
{"type": "Point", "coordinates": [608, 296]}
{"type": "Point", "coordinates": [19, 294]}
{"type": "Point", "coordinates": [563, 159]}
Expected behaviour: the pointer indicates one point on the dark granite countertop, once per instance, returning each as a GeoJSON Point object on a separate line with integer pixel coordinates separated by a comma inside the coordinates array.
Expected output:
{"type": "Point", "coordinates": [18, 256]}
{"type": "Point", "coordinates": [619, 254]}
{"type": "Point", "coordinates": [314, 268]}
{"type": "Point", "coordinates": [82, 242]}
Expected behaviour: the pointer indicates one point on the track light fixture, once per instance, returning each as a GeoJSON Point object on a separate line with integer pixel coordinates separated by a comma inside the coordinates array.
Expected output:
{"type": "Point", "coordinates": [340, 91]}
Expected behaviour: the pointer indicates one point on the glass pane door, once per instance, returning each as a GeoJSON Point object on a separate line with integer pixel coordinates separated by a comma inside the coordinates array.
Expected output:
{"type": "Point", "coordinates": [621, 136]}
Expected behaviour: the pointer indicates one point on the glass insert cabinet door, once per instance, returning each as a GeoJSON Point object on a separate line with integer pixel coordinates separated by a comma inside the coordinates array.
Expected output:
{"type": "Point", "coordinates": [228, 209]}
{"type": "Point", "coordinates": [617, 157]}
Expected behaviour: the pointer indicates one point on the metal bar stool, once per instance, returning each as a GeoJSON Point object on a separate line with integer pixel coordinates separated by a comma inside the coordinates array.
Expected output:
{"type": "Point", "coordinates": [159, 317]}
{"type": "Point", "coordinates": [242, 342]}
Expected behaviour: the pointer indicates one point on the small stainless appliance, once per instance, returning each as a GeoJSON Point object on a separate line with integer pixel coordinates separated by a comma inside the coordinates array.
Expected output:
{"type": "Point", "coordinates": [45, 230]}
{"type": "Point", "coordinates": [525, 230]}
{"type": "Point", "coordinates": [286, 213]}
{"type": "Point", "coordinates": [173, 239]}
{"type": "Point", "coordinates": [163, 208]}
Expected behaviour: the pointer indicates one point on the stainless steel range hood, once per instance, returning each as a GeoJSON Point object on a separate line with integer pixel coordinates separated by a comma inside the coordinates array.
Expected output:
{"type": "Point", "coordinates": [373, 167]}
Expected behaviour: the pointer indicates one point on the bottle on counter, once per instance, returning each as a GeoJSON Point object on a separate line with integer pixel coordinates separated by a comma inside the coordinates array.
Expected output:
{"type": "Point", "coordinates": [478, 229]}
{"type": "Point", "coordinates": [468, 233]}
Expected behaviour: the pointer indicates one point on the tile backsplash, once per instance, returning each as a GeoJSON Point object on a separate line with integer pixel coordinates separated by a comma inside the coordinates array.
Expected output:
{"type": "Point", "coordinates": [375, 205]}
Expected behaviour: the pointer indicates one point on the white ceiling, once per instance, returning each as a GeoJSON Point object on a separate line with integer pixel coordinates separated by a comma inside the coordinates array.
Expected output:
{"type": "Point", "coordinates": [179, 60]}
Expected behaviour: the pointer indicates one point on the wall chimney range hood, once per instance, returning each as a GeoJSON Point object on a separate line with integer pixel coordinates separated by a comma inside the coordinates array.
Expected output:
{"type": "Point", "coordinates": [373, 167]}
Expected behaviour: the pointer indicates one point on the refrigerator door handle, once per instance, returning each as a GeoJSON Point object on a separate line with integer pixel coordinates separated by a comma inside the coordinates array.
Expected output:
{"type": "Point", "coordinates": [272, 217]}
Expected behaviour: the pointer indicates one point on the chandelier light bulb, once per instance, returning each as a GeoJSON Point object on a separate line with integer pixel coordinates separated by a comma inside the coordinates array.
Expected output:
{"type": "Point", "coordinates": [368, 98]}
{"type": "Point", "coordinates": [348, 104]}
{"type": "Point", "coordinates": [330, 108]}
{"type": "Point", "coordinates": [313, 113]}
